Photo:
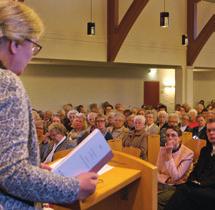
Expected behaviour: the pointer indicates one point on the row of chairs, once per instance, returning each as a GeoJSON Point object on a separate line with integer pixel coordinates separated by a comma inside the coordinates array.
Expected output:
{"type": "Point", "coordinates": [154, 146]}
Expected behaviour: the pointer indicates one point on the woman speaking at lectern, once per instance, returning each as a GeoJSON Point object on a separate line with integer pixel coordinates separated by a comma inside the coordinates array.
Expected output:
{"type": "Point", "coordinates": [22, 181]}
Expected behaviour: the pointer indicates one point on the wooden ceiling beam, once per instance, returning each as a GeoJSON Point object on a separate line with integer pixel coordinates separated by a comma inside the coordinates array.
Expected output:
{"type": "Point", "coordinates": [117, 32]}
{"type": "Point", "coordinates": [196, 42]}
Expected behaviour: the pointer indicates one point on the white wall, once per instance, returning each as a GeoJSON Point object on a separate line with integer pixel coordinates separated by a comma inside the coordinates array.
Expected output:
{"type": "Point", "coordinates": [146, 43]}
{"type": "Point", "coordinates": [204, 83]}
{"type": "Point", "coordinates": [49, 87]}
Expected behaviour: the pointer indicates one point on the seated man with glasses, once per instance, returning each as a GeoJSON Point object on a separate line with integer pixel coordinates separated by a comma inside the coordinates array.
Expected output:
{"type": "Point", "coordinates": [199, 191]}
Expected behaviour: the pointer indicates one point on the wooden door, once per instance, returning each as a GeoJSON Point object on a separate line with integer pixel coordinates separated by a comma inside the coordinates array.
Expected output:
{"type": "Point", "coordinates": [151, 93]}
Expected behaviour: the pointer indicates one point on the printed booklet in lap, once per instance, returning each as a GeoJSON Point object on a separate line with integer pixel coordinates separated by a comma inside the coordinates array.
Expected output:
{"type": "Point", "coordinates": [90, 155]}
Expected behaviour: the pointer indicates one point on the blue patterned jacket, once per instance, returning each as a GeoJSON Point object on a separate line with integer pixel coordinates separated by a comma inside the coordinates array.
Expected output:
{"type": "Point", "coordinates": [22, 182]}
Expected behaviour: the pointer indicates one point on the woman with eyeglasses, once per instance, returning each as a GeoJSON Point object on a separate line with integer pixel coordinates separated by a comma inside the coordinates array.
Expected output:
{"type": "Point", "coordinates": [174, 163]}
{"type": "Point", "coordinates": [22, 181]}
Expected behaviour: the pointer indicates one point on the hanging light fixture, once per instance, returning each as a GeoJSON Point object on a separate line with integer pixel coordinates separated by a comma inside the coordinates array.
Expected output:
{"type": "Point", "coordinates": [184, 40]}
{"type": "Point", "coordinates": [91, 26]}
{"type": "Point", "coordinates": [164, 18]}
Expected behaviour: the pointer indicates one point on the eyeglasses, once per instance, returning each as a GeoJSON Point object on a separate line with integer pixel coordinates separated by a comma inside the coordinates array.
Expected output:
{"type": "Point", "coordinates": [35, 48]}
{"type": "Point", "coordinates": [171, 135]}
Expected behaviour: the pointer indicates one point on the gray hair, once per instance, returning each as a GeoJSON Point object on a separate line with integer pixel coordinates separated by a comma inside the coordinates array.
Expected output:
{"type": "Point", "coordinates": [140, 117]}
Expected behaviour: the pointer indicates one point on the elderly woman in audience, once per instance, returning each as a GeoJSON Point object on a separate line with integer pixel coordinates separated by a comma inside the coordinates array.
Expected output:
{"type": "Point", "coordinates": [78, 132]}
{"type": "Point", "coordinates": [110, 119]}
{"type": "Point", "coordinates": [107, 109]}
{"type": "Point", "coordinates": [91, 121]}
{"type": "Point", "coordinates": [162, 119]}
{"type": "Point", "coordinates": [55, 119]}
{"type": "Point", "coordinates": [138, 137]}
{"type": "Point", "coordinates": [193, 114]}
{"type": "Point", "coordinates": [129, 123]}
{"type": "Point", "coordinates": [119, 107]}
{"type": "Point", "coordinates": [57, 134]}
{"type": "Point", "coordinates": [39, 126]}
{"type": "Point", "coordinates": [69, 119]}
{"type": "Point", "coordinates": [100, 123]}
{"type": "Point", "coordinates": [151, 127]}
{"type": "Point", "coordinates": [118, 130]}
{"type": "Point", "coordinates": [199, 132]}
{"type": "Point", "coordinates": [173, 120]}
{"type": "Point", "coordinates": [141, 112]}
{"type": "Point", "coordinates": [94, 108]}
{"type": "Point", "coordinates": [127, 112]}
{"type": "Point", "coordinates": [174, 163]}
{"type": "Point", "coordinates": [185, 121]}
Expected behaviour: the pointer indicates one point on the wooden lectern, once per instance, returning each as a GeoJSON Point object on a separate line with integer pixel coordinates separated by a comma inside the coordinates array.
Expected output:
{"type": "Point", "coordinates": [130, 185]}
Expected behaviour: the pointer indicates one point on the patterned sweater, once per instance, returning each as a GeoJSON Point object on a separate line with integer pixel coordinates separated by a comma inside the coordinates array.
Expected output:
{"type": "Point", "coordinates": [22, 182]}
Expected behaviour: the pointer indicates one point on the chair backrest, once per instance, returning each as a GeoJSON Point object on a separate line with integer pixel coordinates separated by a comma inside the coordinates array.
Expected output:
{"type": "Point", "coordinates": [115, 144]}
{"type": "Point", "coordinates": [195, 146]}
{"type": "Point", "coordinates": [61, 154]}
{"type": "Point", "coordinates": [132, 151]}
{"type": "Point", "coordinates": [153, 148]}
{"type": "Point", "coordinates": [186, 136]}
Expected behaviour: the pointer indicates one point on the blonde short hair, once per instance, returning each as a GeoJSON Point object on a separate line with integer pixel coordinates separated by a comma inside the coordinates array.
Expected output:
{"type": "Point", "coordinates": [19, 22]}
{"type": "Point", "coordinates": [58, 127]}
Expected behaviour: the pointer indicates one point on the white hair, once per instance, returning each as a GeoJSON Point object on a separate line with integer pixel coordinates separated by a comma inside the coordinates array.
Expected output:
{"type": "Point", "coordinates": [162, 112]}
{"type": "Point", "coordinates": [74, 112]}
{"type": "Point", "coordinates": [193, 111]}
{"type": "Point", "coordinates": [140, 117]}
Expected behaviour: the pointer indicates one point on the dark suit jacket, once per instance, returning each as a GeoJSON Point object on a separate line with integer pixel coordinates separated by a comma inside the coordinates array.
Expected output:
{"type": "Point", "coordinates": [200, 134]}
{"type": "Point", "coordinates": [47, 148]}
{"type": "Point", "coordinates": [204, 171]}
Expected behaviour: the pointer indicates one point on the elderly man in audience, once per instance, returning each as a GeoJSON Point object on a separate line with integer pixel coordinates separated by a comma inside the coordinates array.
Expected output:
{"type": "Point", "coordinates": [174, 162]}
{"type": "Point", "coordinates": [100, 123]}
{"type": "Point", "coordinates": [57, 133]}
{"type": "Point", "coordinates": [151, 127]}
{"type": "Point", "coordinates": [162, 119]}
{"type": "Point", "coordinates": [199, 132]}
{"type": "Point", "coordinates": [173, 120]}
{"type": "Point", "coordinates": [138, 137]}
{"type": "Point", "coordinates": [185, 121]}
{"type": "Point", "coordinates": [79, 131]}
{"type": "Point", "coordinates": [118, 130]}
{"type": "Point", "coordinates": [199, 191]}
